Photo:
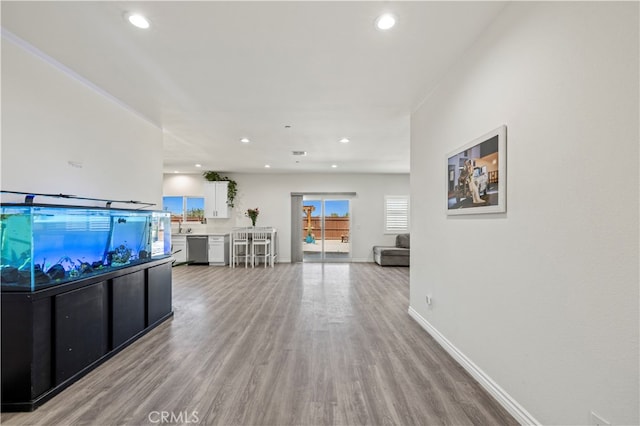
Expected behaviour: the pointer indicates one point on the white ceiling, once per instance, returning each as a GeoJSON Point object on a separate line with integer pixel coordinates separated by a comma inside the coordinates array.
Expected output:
{"type": "Point", "coordinates": [210, 73]}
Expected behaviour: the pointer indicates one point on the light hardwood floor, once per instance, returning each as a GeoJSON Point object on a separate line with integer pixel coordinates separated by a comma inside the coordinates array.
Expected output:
{"type": "Point", "coordinates": [298, 344]}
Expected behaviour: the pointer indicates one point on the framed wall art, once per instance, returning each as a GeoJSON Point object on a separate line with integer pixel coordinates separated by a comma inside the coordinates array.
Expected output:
{"type": "Point", "coordinates": [476, 175]}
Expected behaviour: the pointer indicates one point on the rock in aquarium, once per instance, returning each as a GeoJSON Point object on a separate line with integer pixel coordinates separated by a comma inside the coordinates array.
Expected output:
{"type": "Point", "coordinates": [9, 274]}
{"type": "Point", "coordinates": [39, 276]}
{"type": "Point", "coordinates": [85, 268]}
{"type": "Point", "coordinates": [56, 272]}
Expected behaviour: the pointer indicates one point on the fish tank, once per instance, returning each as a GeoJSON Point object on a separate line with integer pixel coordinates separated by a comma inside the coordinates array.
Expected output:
{"type": "Point", "coordinates": [43, 246]}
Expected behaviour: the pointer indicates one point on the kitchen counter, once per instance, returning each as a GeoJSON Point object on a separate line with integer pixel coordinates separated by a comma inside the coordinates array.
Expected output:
{"type": "Point", "coordinates": [190, 248]}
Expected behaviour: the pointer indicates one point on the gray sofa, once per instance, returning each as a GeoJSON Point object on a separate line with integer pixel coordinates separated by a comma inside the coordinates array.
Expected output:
{"type": "Point", "coordinates": [393, 256]}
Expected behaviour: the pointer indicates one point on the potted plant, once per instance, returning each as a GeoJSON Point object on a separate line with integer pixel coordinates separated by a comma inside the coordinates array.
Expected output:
{"type": "Point", "coordinates": [253, 215]}
{"type": "Point", "coordinates": [311, 238]}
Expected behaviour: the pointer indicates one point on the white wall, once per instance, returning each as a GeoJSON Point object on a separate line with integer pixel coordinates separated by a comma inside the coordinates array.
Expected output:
{"type": "Point", "coordinates": [271, 193]}
{"type": "Point", "coordinates": [543, 299]}
{"type": "Point", "coordinates": [50, 118]}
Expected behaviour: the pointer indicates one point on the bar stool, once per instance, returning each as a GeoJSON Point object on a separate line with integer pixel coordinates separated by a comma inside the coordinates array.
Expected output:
{"type": "Point", "coordinates": [240, 239]}
{"type": "Point", "coordinates": [260, 238]}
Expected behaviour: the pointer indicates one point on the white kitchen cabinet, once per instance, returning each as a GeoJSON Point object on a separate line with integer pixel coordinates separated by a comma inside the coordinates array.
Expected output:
{"type": "Point", "coordinates": [219, 250]}
{"type": "Point", "coordinates": [179, 249]}
{"type": "Point", "coordinates": [215, 200]}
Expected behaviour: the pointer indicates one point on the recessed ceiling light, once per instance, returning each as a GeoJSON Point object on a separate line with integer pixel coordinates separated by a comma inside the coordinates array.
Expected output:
{"type": "Point", "coordinates": [344, 140]}
{"type": "Point", "coordinates": [245, 140]}
{"type": "Point", "coordinates": [198, 165]}
{"type": "Point", "coordinates": [175, 171]}
{"type": "Point", "coordinates": [385, 22]}
{"type": "Point", "coordinates": [334, 166]}
{"type": "Point", "coordinates": [138, 20]}
{"type": "Point", "coordinates": [266, 166]}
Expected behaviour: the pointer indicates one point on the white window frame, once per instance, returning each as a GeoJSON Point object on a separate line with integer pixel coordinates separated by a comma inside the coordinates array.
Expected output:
{"type": "Point", "coordinates": [184, 205]}
{"type": "Point", "coordinates": [399, 199]}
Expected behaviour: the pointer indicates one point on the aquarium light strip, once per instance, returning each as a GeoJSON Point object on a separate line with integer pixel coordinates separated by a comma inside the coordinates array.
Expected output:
{"type": "Point", "coordinates": [30, 195]}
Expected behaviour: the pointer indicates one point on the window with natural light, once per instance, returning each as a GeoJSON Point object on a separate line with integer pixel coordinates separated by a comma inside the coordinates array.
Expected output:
{"type": "Point", "coordinates": [396, 214]}
{"type": "Point", "coordinates": [184, 209]}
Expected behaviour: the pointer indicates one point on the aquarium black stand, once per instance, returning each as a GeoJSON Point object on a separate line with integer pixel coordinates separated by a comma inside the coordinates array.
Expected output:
{"type": "Point", "coordinates": [53, 337]}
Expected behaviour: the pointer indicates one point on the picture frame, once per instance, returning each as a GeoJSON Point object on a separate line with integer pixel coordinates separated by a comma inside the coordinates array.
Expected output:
{"type": "Point", "coordinates": [477, 175]}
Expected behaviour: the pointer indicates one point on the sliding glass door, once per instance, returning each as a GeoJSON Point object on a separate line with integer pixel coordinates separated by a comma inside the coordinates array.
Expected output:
{"type": "Point", "coordinates": [326, 229]}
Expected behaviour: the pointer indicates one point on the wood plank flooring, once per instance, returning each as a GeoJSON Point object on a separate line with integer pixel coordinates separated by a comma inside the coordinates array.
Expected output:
{"type": "Point", "coordinates": [298, 344]}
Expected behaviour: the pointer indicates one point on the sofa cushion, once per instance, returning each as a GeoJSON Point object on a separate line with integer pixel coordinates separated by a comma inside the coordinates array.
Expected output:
{"type": "Point", "coordinates": [391, 256]}
{"type": "Point", "coordinates": [394, 261]}
{"type": "Point", "coordinates": [400, 255]}
{"type": "Point", "coordinates": [402, 240]}
{"type": "Point", "coordinates": [391, 251]}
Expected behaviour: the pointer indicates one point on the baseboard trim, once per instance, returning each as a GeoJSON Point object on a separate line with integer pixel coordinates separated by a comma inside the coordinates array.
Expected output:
{"type": "Point", "coordinates": [511, 405]}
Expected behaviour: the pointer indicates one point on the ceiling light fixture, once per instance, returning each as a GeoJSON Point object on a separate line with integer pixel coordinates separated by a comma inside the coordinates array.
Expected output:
{"type": "Point", "coordinates": [385, 22]}
{"type": "Point", "coordinates": [175, 171]}
{"type": "Point", "coordinates": [138, 20]}
{"type": "Point", "coordinates": [334, 166]}
{"type": "Point", "coordinates": [344, 140]}
{"type": "Point", "coordinates": [198, 165]}
{"type": "Point", "coordinates": [266, 166]}
{"type": "Point", "coordinates": [245, 140]}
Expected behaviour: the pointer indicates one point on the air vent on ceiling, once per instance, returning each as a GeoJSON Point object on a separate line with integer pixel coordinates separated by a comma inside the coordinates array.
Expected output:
{"type": "Point", "coordinates": [299, 153]}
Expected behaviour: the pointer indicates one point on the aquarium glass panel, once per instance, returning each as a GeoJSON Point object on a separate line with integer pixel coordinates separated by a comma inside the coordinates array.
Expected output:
{"type": "Point", "coordinates": [43, 246]}
{"type": "Point", "coordinates": [129, 238]}
{"type": "Point", "coordinates": [16, 257]}
{"type": "Point", "coordinates": [161, 235]}
{"type": "Point", "coordinates": [68, 243]}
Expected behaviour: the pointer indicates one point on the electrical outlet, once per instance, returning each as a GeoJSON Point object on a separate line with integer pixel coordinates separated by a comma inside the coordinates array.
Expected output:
{"type": "Point", "coordinates": [596, 420]}
{"type": "Point", "coordinates": [428, 300]}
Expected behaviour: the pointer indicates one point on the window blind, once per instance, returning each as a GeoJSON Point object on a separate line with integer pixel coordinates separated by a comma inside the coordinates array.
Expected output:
{"type": "Point", "coordinates": [396, 214]}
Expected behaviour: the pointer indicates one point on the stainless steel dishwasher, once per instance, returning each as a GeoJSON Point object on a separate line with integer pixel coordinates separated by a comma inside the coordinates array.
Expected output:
{"type": "Point", "coordinates": [197, 249]}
